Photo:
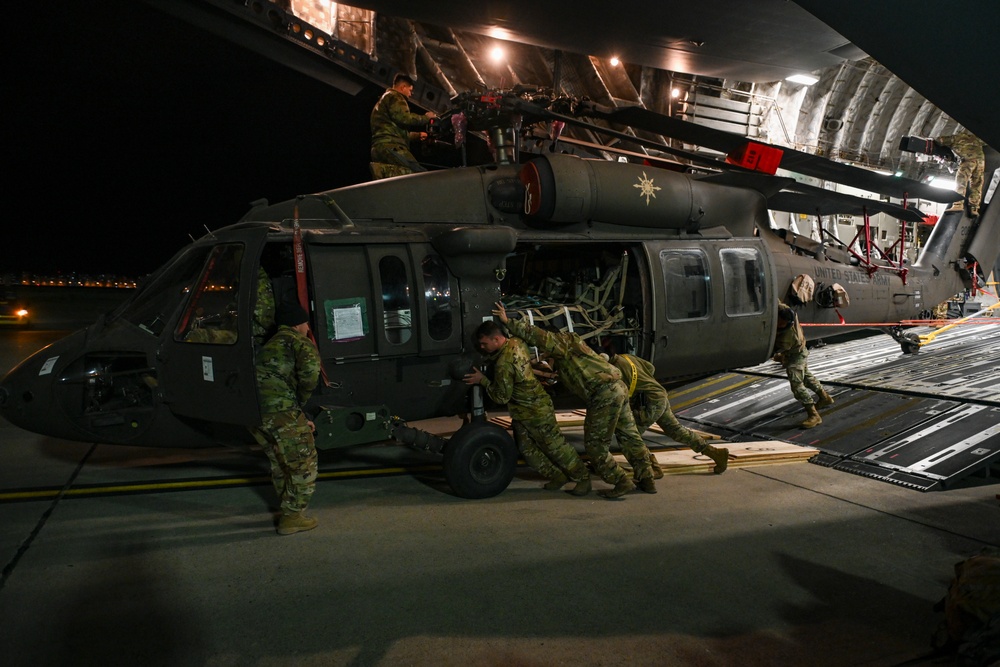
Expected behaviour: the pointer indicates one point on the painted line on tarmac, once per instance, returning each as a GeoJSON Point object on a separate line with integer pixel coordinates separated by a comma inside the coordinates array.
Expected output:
{"type": "Point", "coordinates": [91, 491]}
{"type": "Point", "coordinates": [57, 496]}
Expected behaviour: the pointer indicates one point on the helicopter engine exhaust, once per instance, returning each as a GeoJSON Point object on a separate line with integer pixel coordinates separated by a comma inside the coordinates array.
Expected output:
{"type": "Point", "coordinates": [566, 189]}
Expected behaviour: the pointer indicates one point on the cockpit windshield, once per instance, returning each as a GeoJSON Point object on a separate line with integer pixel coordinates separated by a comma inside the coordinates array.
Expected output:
{"type": "Point", "coordinates": [209, 275]}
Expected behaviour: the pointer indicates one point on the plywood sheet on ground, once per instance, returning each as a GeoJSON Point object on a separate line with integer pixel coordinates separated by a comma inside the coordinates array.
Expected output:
{"type": "Point", "coordinates": [741, 454]}
{"type": "Point", "coordinates": [564, 419]}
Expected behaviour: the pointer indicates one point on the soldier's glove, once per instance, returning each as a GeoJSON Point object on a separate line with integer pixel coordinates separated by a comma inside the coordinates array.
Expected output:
{"type": "Point", "coordinates": [779, 357]}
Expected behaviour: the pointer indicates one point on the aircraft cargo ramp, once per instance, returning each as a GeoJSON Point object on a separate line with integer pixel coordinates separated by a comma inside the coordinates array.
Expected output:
{"type": "Point", "coordinates": [923, 421]}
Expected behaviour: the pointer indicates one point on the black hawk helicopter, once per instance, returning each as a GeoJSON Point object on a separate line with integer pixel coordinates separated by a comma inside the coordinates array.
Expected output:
{"type": "Point", "coordinates": [672, 261]}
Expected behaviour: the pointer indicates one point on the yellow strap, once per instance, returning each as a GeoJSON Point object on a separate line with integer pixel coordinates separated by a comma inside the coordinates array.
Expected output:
{"type": "Point", "coordinates": [635, 376]}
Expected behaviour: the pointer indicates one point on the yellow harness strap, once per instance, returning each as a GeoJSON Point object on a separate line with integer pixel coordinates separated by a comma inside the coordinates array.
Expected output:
{"type": "Point", "coordinates": [635, 376]}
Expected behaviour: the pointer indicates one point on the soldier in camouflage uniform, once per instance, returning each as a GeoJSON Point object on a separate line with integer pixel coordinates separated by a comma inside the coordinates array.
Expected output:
{"type": "Point", "coordinates": [790, 351]}
{"type": "Point", "coordinates": [650, 404]}
{"type": "Point", "coordinates": [263, 308]}
{"type": "Point", "coordinates": [288, 369]}
{"type": "Point", "coordinates": [391, 122]}
{"type": "Point", "coordinates": [534, 419]}
{"type": "Point", "coordinates": [597, 382]}
{"type": "Point", "coordinates": [972, 163]}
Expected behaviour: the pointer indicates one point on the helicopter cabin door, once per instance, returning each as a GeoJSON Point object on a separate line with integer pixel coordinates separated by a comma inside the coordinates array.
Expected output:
{"type": "Point", "coordinates": [206, 353]}
{"type": "Point", "coordinates": [716, 309]}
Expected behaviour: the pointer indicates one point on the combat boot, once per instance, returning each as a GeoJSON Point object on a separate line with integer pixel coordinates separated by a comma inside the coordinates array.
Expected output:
{"type": "Point", "coordinates": [646, 485]}
{"type": "Point", "coordinates": [289, 524]}
{"type": "Point", "coordinates": [825, 399]}
{"type": "Point", "coordinates": [582, 487]}
{"type": "Point", "coordinates": [718, 454]}
{"type": "Point", "coordinates": [556, 483]}
{"type": "Point", "coordinates": [656, 469]}
{"type": "Point", "coordinates": [621, 488]}
{"type": "Point", "coordinates": [813, 419]}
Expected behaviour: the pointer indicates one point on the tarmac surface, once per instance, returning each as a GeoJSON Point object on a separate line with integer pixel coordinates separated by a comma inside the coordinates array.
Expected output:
{"type": "Point", "coordinates": [119, 555]}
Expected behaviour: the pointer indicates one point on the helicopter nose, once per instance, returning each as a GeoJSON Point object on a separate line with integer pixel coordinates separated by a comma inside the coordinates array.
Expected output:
{"type": "Point", "coordinates": [27, 398]}
{"type": "Point", "coordinates": [15, 396]}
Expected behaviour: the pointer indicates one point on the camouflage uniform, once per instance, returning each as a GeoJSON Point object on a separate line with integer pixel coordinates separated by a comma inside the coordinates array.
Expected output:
{"type": "Point", "coordinates": [534, 420]}
{"type": "Point", "coordinates": [391, 123]}
{"type": "Point", "coordinates": [972, 163]}
{"type": "Point", "coordinates": [288, 368]}
{"type": "Point", "coordinates": [598, 383]}
{"type": "Point", "coordinates": [790, 345]}
{"type": "Point", "coordinates": [649, 402]}
{"type": "Point", "coordinates": [263, 308]}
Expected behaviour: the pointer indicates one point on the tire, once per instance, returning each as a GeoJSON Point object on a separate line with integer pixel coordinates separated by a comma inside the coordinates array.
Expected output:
{"type": "Point", "coordinates": [910, 344]}
{"type": "Point", "coordinates": [479, 461]}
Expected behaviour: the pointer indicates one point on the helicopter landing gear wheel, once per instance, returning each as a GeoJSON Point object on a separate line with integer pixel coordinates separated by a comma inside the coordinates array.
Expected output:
{"type": "Point", "coordinates": [479, 460]}
{"type": "Point", "coordinates": [910, 343]}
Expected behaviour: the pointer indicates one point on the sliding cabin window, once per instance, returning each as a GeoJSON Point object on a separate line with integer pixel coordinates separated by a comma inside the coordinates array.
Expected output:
{"type": "Point", "coordinates": [437, 297]}
{"type": "Point", "coordinates": [687, 284]}
{"type": "Point", "coordinates": [743, 275]}
{"type": "Point", "coordinates": [397, 304]}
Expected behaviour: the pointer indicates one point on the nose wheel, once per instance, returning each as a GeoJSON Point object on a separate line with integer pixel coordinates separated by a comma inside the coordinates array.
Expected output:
{"type": "Point", "coordinates": [479, 460]}
{"type": "Point", "coordinates": [909, 343]}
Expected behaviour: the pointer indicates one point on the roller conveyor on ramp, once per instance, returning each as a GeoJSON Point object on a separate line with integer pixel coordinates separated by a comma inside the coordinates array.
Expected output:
{"type": "Point", "coordinates": [923, 421]}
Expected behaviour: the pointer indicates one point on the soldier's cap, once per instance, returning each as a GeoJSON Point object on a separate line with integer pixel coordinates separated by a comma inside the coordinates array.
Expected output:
{"type": "Point", "coordinates": [290, 314]}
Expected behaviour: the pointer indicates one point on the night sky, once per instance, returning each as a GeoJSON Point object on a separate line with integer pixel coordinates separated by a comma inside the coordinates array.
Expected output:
{"type": "Point", "coordinates": [126, 130]}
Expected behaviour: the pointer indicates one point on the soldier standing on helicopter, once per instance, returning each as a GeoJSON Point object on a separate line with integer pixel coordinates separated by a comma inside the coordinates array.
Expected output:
{"type": "Point", "coordinates": [971, 165]}
{"type": "Point", "coordinates": [392, 123]}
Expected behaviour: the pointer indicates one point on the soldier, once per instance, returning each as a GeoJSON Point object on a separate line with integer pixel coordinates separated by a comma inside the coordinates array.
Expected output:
{"type": "Point", "coordinates": [534, 419]}
{"type": "Point", "coordinates": [288, 368]}
{"type": "Point", "coordinates": [598, 383]}
{"type": "Point", "coordinates": [971, 165]}
{"type": "Point", "coordinates": [263, 309]}
{"type": "Point", "coordinates": [392, 122]}
{"type": "Point", "coordinates": [790, 351]}
{"type": "Point", "coordinates": [649, 403]}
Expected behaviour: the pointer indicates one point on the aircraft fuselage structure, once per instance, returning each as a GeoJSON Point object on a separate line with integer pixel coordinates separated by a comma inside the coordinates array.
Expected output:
{"type": "Point", "coordinates": [399, 274]}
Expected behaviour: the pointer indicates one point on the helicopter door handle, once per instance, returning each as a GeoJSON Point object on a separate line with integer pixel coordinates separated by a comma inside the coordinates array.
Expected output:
{"type": "Point", "coordinates": [232, 379]}
{"type": "Point", "coordinates": [664, 340]}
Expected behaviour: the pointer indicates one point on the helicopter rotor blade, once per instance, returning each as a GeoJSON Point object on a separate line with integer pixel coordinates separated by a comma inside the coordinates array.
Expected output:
{"type": "Point", "coordinates": [791, 160]}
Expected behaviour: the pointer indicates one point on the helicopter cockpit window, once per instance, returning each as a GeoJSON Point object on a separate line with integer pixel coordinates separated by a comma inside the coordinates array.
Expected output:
{"type": "Point", "coordinates": [437, 297]}
{"type": "Point", "coordinates": [396, 300]}
{"type": "Point", "coordinates": [212, 307]}
{"type": "Point", "coordinates": [687, 284]}
{"type": "Point", "coordinates": [155, 303]}
{"type": "Point", "coordinates": [743, 273]}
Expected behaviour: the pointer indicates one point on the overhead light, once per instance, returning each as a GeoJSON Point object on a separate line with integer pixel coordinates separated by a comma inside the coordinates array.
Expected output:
{"type": "Point", "coordinates": [614, 61]}
{"type": "Point", "coordinates": [943, 182]}
{"type": "Point", "coordinates": [497, 54]}
{"type": "Point", "coordinates": [675, 92]}
{"type": "Point", "coordinates": [806, 79]}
